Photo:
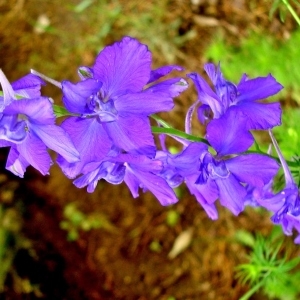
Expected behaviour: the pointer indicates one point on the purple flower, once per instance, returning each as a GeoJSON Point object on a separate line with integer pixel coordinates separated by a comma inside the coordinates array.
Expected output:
{"type": "Point", "coordinates": [114, 100]}
{"type": "Point", "coordinates": [285, 205]}
{"type": "Point", "coordinates": [137, 171]}
{"type": "Point", "coordinates": [236, 108]}
{"type": "Point", "coordinates": [185, 167]}
{"type": "Point", "coordinates": [244, 97]}
{"type": "Point", "coordinates": [27, 126]}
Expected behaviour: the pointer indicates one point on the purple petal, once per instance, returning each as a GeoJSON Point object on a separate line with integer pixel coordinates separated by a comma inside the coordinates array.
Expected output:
{"type": "Point", "coordinates": [155, 184]}
{"type": "Point", "coordinates": [16, 163]}
{"type": "Point", "coordinates": [255, 169]}
{"type": "Point", "coordinates": [38, 111]}
{"type": "Point", "coordinates": [75, 96]}
{"type": "Point", "coordinates": [8, 92]}
{"type": "Point", "coordinates": [214, 73]}
{"type": "Point", "coordinates": [169, 88]}
{"type": "Point", "coordinates": [206, 95]}
{"type": "Point", "coordinates": [28, 86]}
{"type": "Point", "coordinates": [162, 71]}
{"type": "Point", "coordinates": [144, 103]}
{"type": "Point", "coordinates": [204, 113]}
{"type": "Point", "coordinates": [58, 140]}
{"type": "Point", "coordinates": [188, 161]}
{"type": "Point", "coordinates": [276, 202]}
{"type": "Point", "coordinates": [4, 143]}
{"type": "Point", "coordinates": [258, 88]}
{"type": "Point", "coordinates": [89, 180]}
{"type": "Point", "coordinates": [12, 130]}
{"type": "Point", "coordinates": [34, 151]}
{"type": "Point", "coordinates": [206, 195]}
{"type": "Point", "coordinates": [260, 115]}
{"type": "Point", "coordinates": [123, 67]}
{"type": "Point", "coordinates": [132, 183]}
{"type": "Point", "coordinates": [143, 162]}
{"type": "Point", "coordinates": [232, 194]}
{"type": "Point", "coordinates": [228, 134]}
{"type": "Point", "coordinates": [89, 138]}
{"type": "Point", "coordinates": [132, 133]}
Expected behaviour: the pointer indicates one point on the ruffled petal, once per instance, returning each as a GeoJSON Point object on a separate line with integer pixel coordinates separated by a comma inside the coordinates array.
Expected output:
{"type": "Point", "coordinates": [132, 133]}
{"type": "Point", "coordinates": [75, 96]}
{"type": "Point", "coordinates": [123, 67]}
{"type": "Point", "coordinates": [229, 134]}
{"type": "Point", "coordinates": [257, 88]}
{"type": "Point", "coordinates": [254, 169]}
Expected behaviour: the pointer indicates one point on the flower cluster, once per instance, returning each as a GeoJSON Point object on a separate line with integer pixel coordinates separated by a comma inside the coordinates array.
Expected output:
{"type": "Point", "coordinates": [107, 133]}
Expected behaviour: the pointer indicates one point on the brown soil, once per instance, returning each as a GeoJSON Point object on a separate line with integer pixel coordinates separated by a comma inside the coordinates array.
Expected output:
{"type": "Point", "coordinates": [117, 262]}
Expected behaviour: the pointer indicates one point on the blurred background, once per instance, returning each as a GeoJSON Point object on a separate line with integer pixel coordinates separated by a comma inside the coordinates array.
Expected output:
{"type": "Point", "coordinates": [59, 242]}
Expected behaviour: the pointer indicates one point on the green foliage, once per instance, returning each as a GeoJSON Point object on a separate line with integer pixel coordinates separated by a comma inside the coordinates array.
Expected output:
{"type": "Point", "coordinates": [76, 221]}
{"type": "Point", "coordinates": [259, 55]}
{"type": "Point", "coordinates": [269, 271]}
{"type": "Point", "coordinates": [11, 241]}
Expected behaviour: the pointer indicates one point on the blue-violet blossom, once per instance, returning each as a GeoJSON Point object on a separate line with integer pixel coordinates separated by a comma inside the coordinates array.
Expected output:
{"type": "Point", "coordinates": [240, 102]}
{"type": "Point", "coordinates": [27, 127]}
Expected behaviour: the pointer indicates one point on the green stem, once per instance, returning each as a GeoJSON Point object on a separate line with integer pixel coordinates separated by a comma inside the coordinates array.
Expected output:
{"type": "Point", "coordinates": [162, 122]}
{"type": "Point", "coordinates": [178, 133]}
{"type": "Point", "coordinates": [252, 291]}
{"type": "Point", "coordinates": [292, 11]}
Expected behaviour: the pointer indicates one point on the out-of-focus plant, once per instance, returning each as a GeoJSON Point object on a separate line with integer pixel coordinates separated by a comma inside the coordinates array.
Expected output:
{"type": "Point", "coordinates": [11, 241]}
{"type": "Point", "coordinates": [267, 269]}
{"type": "Point", "coordinates": [75, 221]}
{"type": "Point", "coordinates": [284, 6]}
{"type": "Point", "coordinates": [146, 21]}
